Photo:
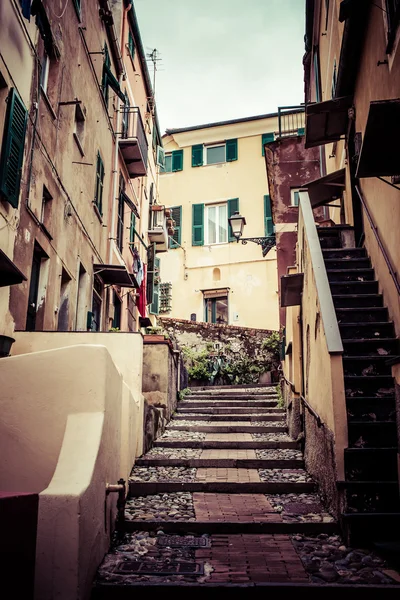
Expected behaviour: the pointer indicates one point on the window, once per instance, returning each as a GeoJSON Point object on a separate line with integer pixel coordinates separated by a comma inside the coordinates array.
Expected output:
{"type": "Point", "coordinates": [98, 195]}
{"type": "Point", "coordinates": [216, 224]}
{"type": "Point", "coordinates": [125, 117]}
{"type": "Point", "coordinates": [268, 223]}
{"type": "Point", "coordinates": [173, 162]}
{"type": "Point", "coordinates": [37, 287]}
{"type": "Point", "coordinates": [94, 317]}
{"type": "Point", "coordinates": [165, 297]}
{"type": "Point", "coordinates": [216, 306]}
{"type": "Point", "coordinates": [79, 127]}
{"type": "Point", "coordinates": [155, 282]}
{"type": "Point", "coordinates": [317, 80]}
{"type": "Point", "coordinates": [294, 197]}
{"type": "Point", "coordinates": [132, 228]}
{"type": "Point", "coordinates": [265, 138]}
{"type": "Point", "coordinates": [45, 213]}
{"type": "Point", "coordinates": [108, 80]}
{"type": "Point", "coordinates": [116, 323]}
{"type": "Point", "coordinates": [212, 154]}
{"type": "Point", "coordinates": [120, 216]}
{"type": "Point", "coordinates": [210, 223]}
{"type": "Point", "coordinates": [176, 239]}
{"type": "Point", "coordinates": [12, 149]}
{"type": "Point", "coordinates": [63, 310]}
{"type": "Point", "coordinates": [44, 73]}
{"type": "Point", "coordinates": [393, 19]}
{"type": "Point", "coordinates": [131, 45]}
{"type": "Point", "coordinates": [334, 79]}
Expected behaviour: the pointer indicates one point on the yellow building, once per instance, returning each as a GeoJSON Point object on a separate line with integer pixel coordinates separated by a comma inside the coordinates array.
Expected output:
{"type": "Point", "coordinates": [211, 171]}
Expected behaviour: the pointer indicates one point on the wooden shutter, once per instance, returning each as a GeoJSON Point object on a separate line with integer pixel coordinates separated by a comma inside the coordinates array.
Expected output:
{"type": "Point", "coordinates": [151, 255]}
{"type": "Point", "coordinates": [269, 226]}
{"type": "Point", "coordinates": [266, 137]}
{"type": "Point", "coordinates": [231, 150]}
{"type": "Point", "coordinates": [233, 206]}
{"type": "Point", "coordinates": [99, 183]}
{"type": "Point", "coordinates": [155, 305]}
{"type": "Point", "coordinates": [177, 160]}
{"type": "Point", "coordinates": [132, 228]}
{"type": "Point", "coordinates": [198, 225]}
{"type": "Point", "coordinates": [197, 155]}
{"type": "Point", "coordinates": [177, 217]}
{"type": "Point", "coordinates": [12, 150]}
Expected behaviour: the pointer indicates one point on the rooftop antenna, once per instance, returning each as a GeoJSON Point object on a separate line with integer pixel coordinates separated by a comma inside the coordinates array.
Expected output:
{"type": "Point", "coordinates": [154, 57]}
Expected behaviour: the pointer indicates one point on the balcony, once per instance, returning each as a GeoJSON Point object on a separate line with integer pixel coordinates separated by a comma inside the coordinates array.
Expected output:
{"type": "Point", "coordinates": [133, 142]}
{"type": "Point", "coordinates": [159, 227]}
{"type": "Point", "coordinates": [291, 121]}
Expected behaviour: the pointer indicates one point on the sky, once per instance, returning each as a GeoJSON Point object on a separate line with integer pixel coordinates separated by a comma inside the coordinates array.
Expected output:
{"type": "Point", "coordinates": [223, 59]}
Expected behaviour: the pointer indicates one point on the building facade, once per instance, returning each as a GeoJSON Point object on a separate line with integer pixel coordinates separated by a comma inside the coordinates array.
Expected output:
{"type": "Point", "coordinates": [78, 168]}
{"type": "Point", "coordinates": [212, 171]}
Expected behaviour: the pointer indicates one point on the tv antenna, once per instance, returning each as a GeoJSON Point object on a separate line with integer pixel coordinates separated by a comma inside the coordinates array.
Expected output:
{"type": "Point", "coordinates": [154, 57]}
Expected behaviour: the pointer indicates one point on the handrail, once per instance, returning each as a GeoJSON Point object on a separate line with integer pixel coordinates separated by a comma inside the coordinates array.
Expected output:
{"type": "Point", "coordinates": [328, 313]}
{"type": "Point", "coordinates": [378, 239]}
{"type": "Point", "coordinates": [290, 384]}
{"type": "Point", "coordinates": [312, 411]}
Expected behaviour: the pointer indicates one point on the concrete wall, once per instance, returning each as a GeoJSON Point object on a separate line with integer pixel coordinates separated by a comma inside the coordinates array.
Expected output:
{"type": "Point", "coordinates": [160, 388]}
{"type": "Point", "coordinates": [251, 279]}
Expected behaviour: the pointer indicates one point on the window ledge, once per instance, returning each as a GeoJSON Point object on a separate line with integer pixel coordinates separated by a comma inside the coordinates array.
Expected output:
{"type": "Point", "coordinates": [48, 103]}
{"type": "Point", "coordinates": [46, 232]}
{"type": "Point", "coordinates": [79, 144]}
{"type": "Point", "coordinates": [96, 210]}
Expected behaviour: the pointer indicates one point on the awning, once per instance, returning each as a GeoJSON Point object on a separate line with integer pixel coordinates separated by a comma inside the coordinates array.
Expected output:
{"type": "Point", "coordinates": [291, 289]}
{"type": "Point", "coordinates": [327, 121]}
{"type": "Point", "coordinates": [220, 293]}
{"type": "Point", "coordinates": [131, 205]}
{"type": "Point", "coordinates": [9, 273]}
{"type": "Point", "coordinates": [379, 154]}
{"type": "Point", "coordinates": [325, 189]}
{"type": "Point", "coordinates": [115, 275]}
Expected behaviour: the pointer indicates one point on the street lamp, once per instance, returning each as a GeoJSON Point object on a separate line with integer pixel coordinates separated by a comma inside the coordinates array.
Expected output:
{"type": "Point", "coordinates": [237, 223]}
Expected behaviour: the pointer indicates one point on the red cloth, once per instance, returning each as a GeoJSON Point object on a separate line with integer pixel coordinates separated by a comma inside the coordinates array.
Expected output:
{"type": "Point", "coordinates": [142, 300]}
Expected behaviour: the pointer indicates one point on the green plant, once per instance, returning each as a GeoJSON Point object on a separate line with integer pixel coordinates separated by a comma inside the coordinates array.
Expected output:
{"type": "Point", "coordinates": [280, 401]}
{"type": "Point", "coordinates": [114, 329]}
{"type": "Point", "coordinates": [272, 343]}
{"type": "Point", "coordinates": [183, 393]}
{"type": "Point", "coordinates": [155, 330]}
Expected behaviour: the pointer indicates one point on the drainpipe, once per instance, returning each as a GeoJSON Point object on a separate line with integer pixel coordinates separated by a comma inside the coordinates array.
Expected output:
{"type": "Point", "coordinates": [120, 489]}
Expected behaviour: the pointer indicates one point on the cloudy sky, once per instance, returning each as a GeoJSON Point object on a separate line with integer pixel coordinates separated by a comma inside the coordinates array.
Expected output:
{"type": "Point", "coordinates": [223, 59]}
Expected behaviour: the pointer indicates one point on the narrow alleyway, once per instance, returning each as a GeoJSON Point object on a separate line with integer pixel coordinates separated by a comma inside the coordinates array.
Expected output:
{"type": "Point", "coordinates": [223, 499]}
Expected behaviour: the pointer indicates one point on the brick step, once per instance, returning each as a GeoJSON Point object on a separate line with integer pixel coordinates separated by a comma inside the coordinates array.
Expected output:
{"type": "Point", "coordinates": [367, 330]}
{"type": "Point", "coordinates": [230, 428]}
{"type": "Point", "coordinates": [370, 408]}
{"type": "Point", "coordinates": [227, 411]}
{"type": "Point", "coordinates": [362, 315]}
{"type": "Point", "coordinates": [371, 496]}
{"type": "Point", "coordinates": [210, 444]}
{"type": "Point", "coordinates": [371, 464]}
{"type": "Point", "coordinates": [347, 263]}
{"type": "Point", "coordinates": [371, 385]}
{"type": "Point", "coordinates": [366, 365]}
{"type": "Point", "coordinates": [235, 527]}
{"type": "Point", "coordinates": [357, 300]}
{"type": "Point", "coordinates": [370, 347]}
{"type": "Point", "coordinates": [231, 417]}
{"type": "Point", "coordinates": [138, 488]}
{"type": "Point", "coordinates": [372, 434]}
{"type": "Point", "coordinates": [361, 528]}
{"type": "Point", "coordinates": [354, 287]}
{"type": "Point", "coordinates": [230, 463]}
{"type": "Point", "coordinates": [228, 403]}
{"type": "Point", "coordinates": [348, 274]}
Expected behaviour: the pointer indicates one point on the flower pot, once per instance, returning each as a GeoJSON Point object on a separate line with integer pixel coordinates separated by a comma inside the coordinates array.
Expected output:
{"type": "Point", "coordinates": [5, 345]}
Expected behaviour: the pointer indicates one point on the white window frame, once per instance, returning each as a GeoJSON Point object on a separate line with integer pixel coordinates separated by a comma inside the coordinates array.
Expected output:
{"type": "Point", "coordinates": [207, 146]}
{"type": "Point", "coordinates": [206, 232]}
{"type": "Point", "coordinates": [167, 155]}
{"type": "Point", "coordinates": [44, 75]}
{"type": "Point", "coordinates": [292, 196]}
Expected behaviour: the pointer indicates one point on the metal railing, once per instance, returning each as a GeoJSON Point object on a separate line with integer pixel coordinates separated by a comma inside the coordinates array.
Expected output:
{"type": "Point", "coordinates": [132, 128]}
{"type": "Point", "coordinates": [291, 120]}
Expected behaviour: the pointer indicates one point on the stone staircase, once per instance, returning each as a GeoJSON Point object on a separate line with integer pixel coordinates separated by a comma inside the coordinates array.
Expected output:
{"type": "Point", "coordinates": [223, 500]}
{"type": "Point", "coordinates": [371, 486]}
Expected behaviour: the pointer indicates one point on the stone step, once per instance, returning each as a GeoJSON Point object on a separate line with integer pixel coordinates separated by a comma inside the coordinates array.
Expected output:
{"type": "Point", "coordinates": [367, 330]}
{"type": "Point", "coordinates": [369, 408]}
{"type": "Point", "coordinates": [231, 397]}
{"type": "Point", "coordinates": [234, 527]}
{"type": "Point", "coordinates": [228, 403]}
{"type": "Point", "coordinates": [354, 287]}
{"type": "Point", "coordinates": [371, 496]}
{"type": "Point", "coordinates": [137, 488]}
{"type": "Point", "coordinates": [229, 428]}
{"type": "Point", "coordinates": [372, 434]}
{"type": "Point", "coordinates": [349, 263]}
{"type": "Point", "coordinates": [239, 463]}
{"type": "Point", "coordinates": [371, 464]}
{"type": "Point", "coordinates": [361, 528]}
{"type": "Point", "coordinates": [362, 314]}
{"type": "Point", "coordinates": [231, 417]}
{"type": "Point", "coordinates": [349, 274]}
{"type": "Point", "coordinates": [370, 347]}
{"type": "Point", "coordinates": [359, 300]}
{"type": "Point", "coordinates": [366, 365]}
{"type": "Point", "coordinates": [235, 389]}
{"type": "Point", "coordinates": [226, 411]}
{"type": "Point", "coordinates": [344, 253]}
{"type": "Point", "coordinates": [232, 445]}
{"type": "Point", "coordinates": [373, 385]}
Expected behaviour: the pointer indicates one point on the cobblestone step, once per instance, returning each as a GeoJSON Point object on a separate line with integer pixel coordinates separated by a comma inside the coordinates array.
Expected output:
{"type": "Point", "coordinates": [240, 463]}
{"type": "Point", "coordinates": [211, 410]}
{"type": "Point", "coordinates": [137, 488]}
{"type": "Point", "coordinates": [228, 403]}
{"type": "Point", "coordinates": [212, 444]}
{"type": "Point", "coordinates": [231, 417]}
{"type": "Point", "coordinates": [229, 428]}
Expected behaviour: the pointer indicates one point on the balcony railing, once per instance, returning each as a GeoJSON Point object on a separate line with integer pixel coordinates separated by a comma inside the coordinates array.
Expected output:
{"type": "Point", "coordinates": [291, 120]}
{"type": "Point", "coordinates": [133, 142]}
{"type": "Point", "coordinates": [158, 231]}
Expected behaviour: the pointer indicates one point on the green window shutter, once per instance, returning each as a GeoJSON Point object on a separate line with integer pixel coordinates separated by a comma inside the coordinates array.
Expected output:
{"type": "Point", "coordinates": [177, 160]}
{"type": "Point", "coordinates": [98, 198]}
{"type": "Point", "coordinates": [197, 155]}
{"type": "Point", "coordinates": [231, 150]}
{"type": "Point", "coordinates": [131, 44]}
{"type": "Point", "coordinates": [177, 217]}
{"type": "Point", "coordinates": [155, 305]}
{"type": "Point", "coordinates": [233, 206]}
{"type": "Point", "coordinates": [151, 256]}
{"type": "Point", "coordinates": [266, 137]}
{"type": "Point", "coordinates": [198, 225]}
{"type": "Point", "coordinates": [301, 131]}
{"type": "Point", "coordinates": [269, 226]}
{"type": "Point", "coordinates": [12, 150]}
{"type": "Point", "coordinates": [132, 228]}
{"type": "Point", "coordinates": [214, 311]}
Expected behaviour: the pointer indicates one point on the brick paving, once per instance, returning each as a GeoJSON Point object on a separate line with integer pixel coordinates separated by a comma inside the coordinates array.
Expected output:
{"type": "Point", "coordinates": [235, 454]}
{"type": "Point", "coordinates": [233, 508]}
{"type": "Point", "coordinates": [228, 437]}
{"type": "Point", "coordinates": [228, 475]}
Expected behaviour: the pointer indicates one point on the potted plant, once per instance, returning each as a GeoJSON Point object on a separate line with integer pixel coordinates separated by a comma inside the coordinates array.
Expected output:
{"type": "Point", "coordinates": [5, 345]}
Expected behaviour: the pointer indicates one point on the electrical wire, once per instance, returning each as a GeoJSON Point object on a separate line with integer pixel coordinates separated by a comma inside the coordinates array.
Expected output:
{"type": "Point", "coordinates": [63, 11]}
